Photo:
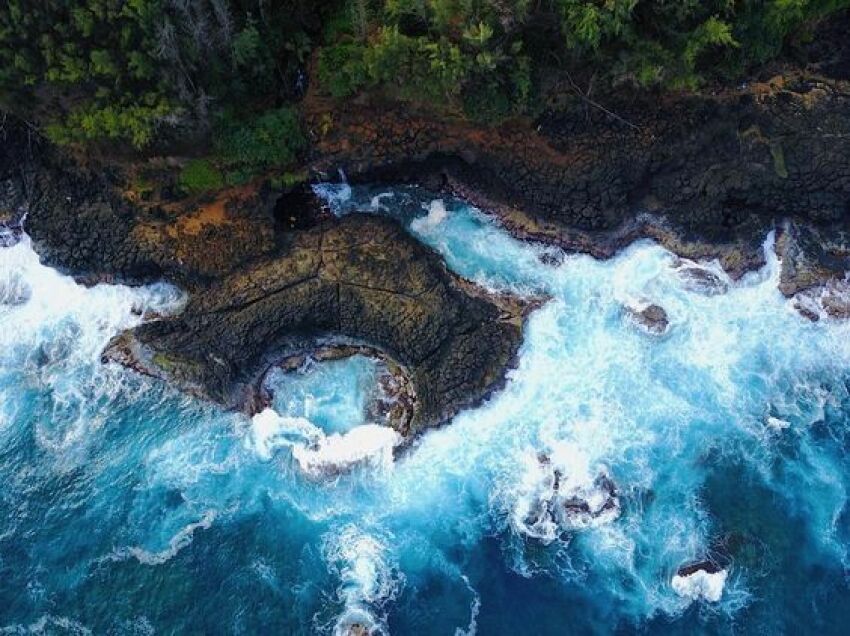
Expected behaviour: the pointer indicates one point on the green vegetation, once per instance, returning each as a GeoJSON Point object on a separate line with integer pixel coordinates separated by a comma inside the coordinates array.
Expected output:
{"type": "Point", "coordinates": [488, 56]}
{"type": "Point", "coordinates": [199, 176]}
{"type": "Point", "coordinates": [248, 145]}
{"type": "Point", "coordinates": [226, 73]}
{"type": "Point", "coordinates": [143, 71]}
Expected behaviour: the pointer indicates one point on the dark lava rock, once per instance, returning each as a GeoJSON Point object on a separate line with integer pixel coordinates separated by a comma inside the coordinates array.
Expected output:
{"type": "Point", "coordinates": [701, 280]}
{"type": "Point", "coordinates": [811, 256]}
{"type": "Point", "coordinates": [836, 303]}
{"type": "Point", "coordinates": [652, 319]}
{"type": "Point", "coordinates": [362, 278]}
{"type": "Point", "coordinates": [709, 567]}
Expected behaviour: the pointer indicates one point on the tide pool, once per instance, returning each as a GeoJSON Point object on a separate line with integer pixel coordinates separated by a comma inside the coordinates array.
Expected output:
{"type": "Point", "coordinates": [130, 508]}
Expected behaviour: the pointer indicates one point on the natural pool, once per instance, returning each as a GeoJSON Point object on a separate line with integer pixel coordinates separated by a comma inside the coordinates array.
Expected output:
{"type": "Point", "coordinates": [127, 507]}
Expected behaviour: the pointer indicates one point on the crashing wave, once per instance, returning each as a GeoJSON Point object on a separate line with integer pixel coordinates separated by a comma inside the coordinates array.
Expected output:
{"type": "Point", "coordinates": [368, 581]}
{"type": "Point", "coordinates": [318, 454]}
{"type": "Point", "coordinates": [437, 213]}
{"type": "Point", "coordinates": [377, 202]}
{"type": "Point", "coordinates": [560, 493]}
{"type": "Point", "coordinates": [14, 289]}
{"type": "Point", "coordinates": [335, 195]}
{"type": "Point", "coordinates": [702, 581]}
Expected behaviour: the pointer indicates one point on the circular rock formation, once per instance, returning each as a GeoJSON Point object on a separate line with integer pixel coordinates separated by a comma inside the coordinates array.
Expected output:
{"type": "Point", "coordinates": [360, 279]}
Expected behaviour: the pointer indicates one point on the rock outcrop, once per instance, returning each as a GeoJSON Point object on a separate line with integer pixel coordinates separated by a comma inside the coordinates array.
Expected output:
{"type": "Point", "coordinates": [651, 318]}
{"type": "Point", "coordinates": [706, 174]}
{"type": "Point", "coordinates": [361, 278]}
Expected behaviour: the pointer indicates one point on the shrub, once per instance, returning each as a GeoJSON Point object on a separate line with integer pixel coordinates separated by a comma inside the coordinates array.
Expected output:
{"type": "Point", "coordinates": [273, 138]}
{"type": "Point", "coordinates": [199, 176]}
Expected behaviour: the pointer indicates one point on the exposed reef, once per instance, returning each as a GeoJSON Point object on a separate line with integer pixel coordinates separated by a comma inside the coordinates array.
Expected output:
{"type": "Point", "coordinates": [360, 278]}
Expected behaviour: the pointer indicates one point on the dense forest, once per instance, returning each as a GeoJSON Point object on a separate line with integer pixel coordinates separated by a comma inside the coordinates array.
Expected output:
{"type": "Point", "coordinates": [143, 73]}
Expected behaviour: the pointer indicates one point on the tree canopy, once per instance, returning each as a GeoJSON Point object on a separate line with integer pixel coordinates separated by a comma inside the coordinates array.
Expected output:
{"type": "Point", "coordinates": [138, 71]}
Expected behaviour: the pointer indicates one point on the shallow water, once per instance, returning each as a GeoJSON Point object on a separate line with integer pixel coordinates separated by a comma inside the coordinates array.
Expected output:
{"type": "Point", "coordinates": [130, 508]}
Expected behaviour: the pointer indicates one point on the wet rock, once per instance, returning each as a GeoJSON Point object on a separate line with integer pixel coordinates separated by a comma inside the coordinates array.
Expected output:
{"type": "Point", "coordinates": [811, 257]}
{"type": "Point", "coordinates": [836, 303]}
{"type": "Point", "coordinates": [559, 502]}
{"type": "Point", "coordinates": [10, 233]}
{"type": "Point", "coordinates": [807, 308]}
{"type": "Point", "coordinates": [581, 507]}
{"type": "Point", "coordinates": [719, 168]}
{"type": "Point", "coordinates": [701, 280]}
{"type": "Point", "coordinates": [831, 299]}
{"type": "Point", "coordinates": [701, 580]}
{"type": "Point", "coordinates": [706, 566]}
{"type": "Point", "coordinates": [362, 278]}
{"type": "Point", "coordinates": [651, 318]}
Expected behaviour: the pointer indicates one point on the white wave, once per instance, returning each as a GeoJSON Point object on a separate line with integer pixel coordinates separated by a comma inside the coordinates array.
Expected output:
{"type": "Point", "coordinates": [560, 492]}
{"type": "Point", "coordinates": [49, 624]}
{"type": "Point", "coordinates": [377, 202]}
{"type": "Point", "coordinates": [337, 453]}
{"type": "Point", "coordinates": [474, 610]}
{"type": "Point", "coordinates": [369, 580]}
{"type": "Point", "coordinates": [776, 423]}
{"type": "Point", "coordinates": [53, 335]}
{"type": "Point", "coordinates": [271, 431]}
{"type": "Point", "coordinates": [437, 213]}
{"type": "Point", "coordinates": [700, 584]}
{"type": "Point", "coordinates": [320, 455]}
{"type": "Point", "coordinates": [335, 195]}
{"type": "Point", "coordinates": [182, 539]}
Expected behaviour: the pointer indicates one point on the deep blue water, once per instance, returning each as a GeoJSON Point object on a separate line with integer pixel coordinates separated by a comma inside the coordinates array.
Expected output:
{"type": "Point", "coordinates": [129, 508]}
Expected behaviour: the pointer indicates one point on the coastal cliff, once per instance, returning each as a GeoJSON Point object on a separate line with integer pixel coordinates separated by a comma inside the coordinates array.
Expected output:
{"type": "Point", "coordinates": [269, 271]}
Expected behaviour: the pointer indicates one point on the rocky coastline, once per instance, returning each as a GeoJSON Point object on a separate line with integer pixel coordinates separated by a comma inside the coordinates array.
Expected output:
{"type": "Point", "coordinates": [271, 274]}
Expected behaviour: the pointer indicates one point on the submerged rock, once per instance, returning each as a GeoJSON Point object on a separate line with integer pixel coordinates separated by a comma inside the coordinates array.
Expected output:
{"type": "Point", "coordinates": [361, 278]}
{"type": "Point", "coordinates": [651, 318]}
{"type": "Point", "coordinates": [559, 495]}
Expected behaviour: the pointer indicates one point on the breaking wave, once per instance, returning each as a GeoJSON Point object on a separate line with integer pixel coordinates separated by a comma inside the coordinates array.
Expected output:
{"type": "Point", "coordinates": [578, 495]}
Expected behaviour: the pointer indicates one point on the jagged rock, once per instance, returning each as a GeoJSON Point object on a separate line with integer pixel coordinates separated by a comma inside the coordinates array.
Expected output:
{"type": "Point", "coordinates": [700, 580]}
{"type": "Point", "coordinates": [811, 257]}
{"type": "Point", "coordinates": [651, 318]}
{"type": "Point", "coordinates": [701, 280]}
{"type": "Point", "coordinates": [362, 278]}
{"type": "Point", "coordinates": [831, 299]}
{"type": "Point", "coordinates": [836, 303]}
{"type": "Point", "coordinates": [559, 502]}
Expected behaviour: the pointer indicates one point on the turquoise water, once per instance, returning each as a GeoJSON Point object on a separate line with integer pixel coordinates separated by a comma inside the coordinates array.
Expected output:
{"type": "Point", "coordinates": [129, 508]}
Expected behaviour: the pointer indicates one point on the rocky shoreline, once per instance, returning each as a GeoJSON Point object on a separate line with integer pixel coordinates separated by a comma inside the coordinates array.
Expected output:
{"type": "Point", "coordinates": [706, 176]}
{"type": "Point", "coordinates": [358, 280]}
{"type": "Point", "coordinates": [270, 273]}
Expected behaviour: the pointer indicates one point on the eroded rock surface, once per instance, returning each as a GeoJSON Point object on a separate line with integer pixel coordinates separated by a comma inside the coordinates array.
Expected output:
{"type": "Point", "coordinates": [707, 174]}
{"type": "Point", "coordinates": [362, 278]}
{"type": "Point", "coordinates": [651, 318]}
